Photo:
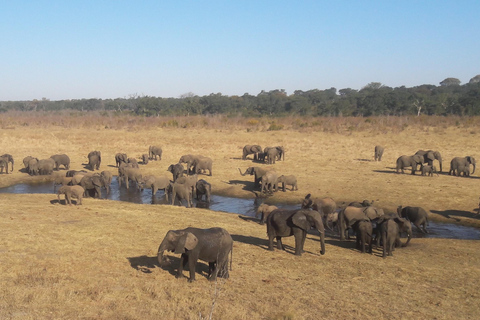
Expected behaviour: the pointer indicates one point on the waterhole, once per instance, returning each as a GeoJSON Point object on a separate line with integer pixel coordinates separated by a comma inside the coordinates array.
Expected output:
{"type": "Point", "coordinates": [245, 207]}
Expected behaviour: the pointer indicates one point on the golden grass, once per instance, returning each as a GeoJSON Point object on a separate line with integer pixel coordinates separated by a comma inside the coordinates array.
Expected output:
{"type": "Point", "coordinates": [97, 261]}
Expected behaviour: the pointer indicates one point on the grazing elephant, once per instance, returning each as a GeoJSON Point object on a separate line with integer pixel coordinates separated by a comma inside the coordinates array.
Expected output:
{"type": "Point", "coordinates": [155, 183]}
{"type": "Point", "coordinates": [94, 160]}
{"type": "Point", "coordinates": [417, 215]}
{"type": "Point", "coordinates": [269, 182]}
{"type": "Point", "coordinates": [9, 158]}
{"type": "Point", "coordinates": [458, 164]}
{"type": "Point", "coordinates": [409, 161]}
{"type": "Point", "coordinates": [94, 183]}
{"type": "Point", "coordinates": [202, 164]}
{"type": "Point", "coordinates": [176, 170]}
{"type": "Point", "coordinates": [203, 189]}
{"type": "Point", "coordinates": [189, 181]}
{"type": "Point", "coordinates": [127, 174]}
{"type": "Point", "coordinates": [145, 158]}
{"type": "Point", "coordinates": [132, 162]}
{"type": "Point", "coordinates": [71, 192]}
{"type": "Point", "coordinates": [210, 245]}
{"type": "Point", "coordinates": [61, 160]}
{"type": "Point", "coordinates": [348, 216]}
{"type": "Point", "coordinates": [429, 170]}
{"type": "Point", "coordinates": [286, 223]}
{"type": "Point", "coordinates": [429, 156]}
{"type": "Point", "coordinates": [378, 153]}
{"type": "Point", "coordinates": [290, 180]}
{"type": "Point", "coordinates": [154, 151]}
{"type": "Point", "coordinates": [263, 211]}
{"type": "Point", "coordinates": [251, 149]}
{"type": "Point", "coordinates": [257, 171]}
{"type": "Point", "coordinates": [364, 232]}
{"type": "Point", "coordinates": [325, 205]}
{"type": "Point", "coordinates": [120, 158]}
{"type": "Point", "coordinates": [45, 166]}
{"type": "Point", "coordinates": [181, 192]}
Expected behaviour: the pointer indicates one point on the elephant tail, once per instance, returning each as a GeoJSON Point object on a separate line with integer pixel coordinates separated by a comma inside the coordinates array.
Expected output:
{"type": "Point", "coordinates": [231, 257]}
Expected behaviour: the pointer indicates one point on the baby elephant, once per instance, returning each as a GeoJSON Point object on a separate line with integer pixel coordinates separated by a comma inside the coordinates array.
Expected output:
{"type": "Point", "coordinates": [71, 191]}
{"type": "Point", "coordinates": [363, 230]}
{"type": "Point", "coordinates": [290, 180]}
{"type": "Point", "coordinates": [429, 170]}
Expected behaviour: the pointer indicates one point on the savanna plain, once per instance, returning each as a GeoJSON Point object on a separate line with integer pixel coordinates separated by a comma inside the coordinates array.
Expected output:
{"type": "Point", "coordinates": [98, 260]}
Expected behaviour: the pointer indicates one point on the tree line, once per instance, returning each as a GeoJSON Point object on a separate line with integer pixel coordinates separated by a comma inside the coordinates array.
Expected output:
{"type": "Point", "coordinates": [375, 99]}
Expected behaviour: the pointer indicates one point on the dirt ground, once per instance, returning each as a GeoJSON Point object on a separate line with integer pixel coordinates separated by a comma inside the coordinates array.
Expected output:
{"type": "Point", "coordinates": [98, 260]}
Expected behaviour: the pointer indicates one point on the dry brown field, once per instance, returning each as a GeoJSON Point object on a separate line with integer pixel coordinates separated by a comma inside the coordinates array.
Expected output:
{"type": "Point", "coordinates": [98, 260]}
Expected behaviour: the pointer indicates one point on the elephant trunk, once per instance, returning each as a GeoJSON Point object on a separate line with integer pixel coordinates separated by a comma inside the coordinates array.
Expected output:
{"type": "Point", "coordinates": [160, 257]}
{"type": "Point", "coordinates": [243, 174]}
{"type": "Point", "coordinates": [440, 162]}
{"type": "Point", "coordinates": [473, 168]}
{"type": "Point", "coordinates": [322, 242]}
{"type": "Point", "coordinates": [409, 236]}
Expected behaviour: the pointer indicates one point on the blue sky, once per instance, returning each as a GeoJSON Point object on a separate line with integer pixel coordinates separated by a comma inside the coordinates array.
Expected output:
{"type": "Point", "coordinates": [110, 49]}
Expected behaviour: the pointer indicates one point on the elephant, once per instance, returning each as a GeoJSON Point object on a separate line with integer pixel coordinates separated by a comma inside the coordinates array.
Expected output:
{"type": "Point", "coordinates": [127, 173]}
{"type": "Point", "coordinates": [390, 229]}
{"type": "Point", "coordinates": [257, 171]}
{"type": "Point", "coordinates": [269, 182]}
{"type": "Point", "coordinates": [71, 173]}
{"type": "Point", "coordinates": [154, 151]}
{"type": "Point", "coordinates": [26, 161]}
{"type": "Point", "coordinates": [94, 183]}
{"type": "Point", "coordinates": [458, 164]}
{"type": "Point", "coordinates": [9, 159]}
{"type": "Point", "coordinates": [378, 153]}
{"type": "Point", "coordinates": [132, 162]}
{"type": "Point", "coordinates": [45, 166]}
{"type": "Point", "coordinates": [77, 178]}
{"type": "Point", "coordinates": [348, 216]}
{"type": "Point", "coordinates": [120, 158]}
{"type": "Point", "coordinates": [61, 180]}
{"type": "Point", "coordinates": [145, 158]}
{"type": "Point", "coordinates": [61, 160]}
{"type": "Point", "coordinates": [364, 232]}
{"type": "Point", "coordinates": [272, 154]}
{"type": "Point", "coordinates": [176, 170]}
{"type": "Point", "coordinates": [210, 245]}
{"type": "Point", "coordinates": [188, 159]}
{"type": "Point", "coordinates": [94, 160]}
{"type": "Point", "coordinates": [155, 183]}
{"type": "Point", "coordinates": [71, 192]}
{"type": "Point", "coordinates": [181, 192]}
{"type": "Point", "coordinates": [108, 177]}
{"type": "Point", "coordinates": [404, 226]}
{"type": "Point", "coordinates": [290, 180]}
{"type": "Point", "coordinates": [286, 223]}
{"type": "Point", "coordinates": [32, 167]}
{"type": "Point", "coordinates": [363, 204]}
{"type": "Point", "coordinates": [203, 188]}
{"type": "Point", "coordinates": [417, 215]}
{"type": "Point", "coordinates": [429, 170]}
{"type": "Point", "coordinates": [251, 149]}
{"type": "Point", "coordinates": [429, 156]}
{"type": "Point", "coordinates": [202, 164]}
{"type": "Point", "coordinates": [3, 165]}
{"type": "Point", "coordinates": [263, 211]}
{"type": "Point", "coordinates": [409, 161]}
{"type": "Point", "coordinates": [325, 206]}
{"type": "Point", "coordinates": [189, 181]}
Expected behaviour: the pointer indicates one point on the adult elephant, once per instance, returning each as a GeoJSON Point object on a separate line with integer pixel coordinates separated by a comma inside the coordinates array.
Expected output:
{"type": "Point", "coordinates": [270, 182]}
{"type": "Point", "coordinates": [181, 191]}
{"type": "Point", "coordinates": [459, 165]}
{"type": "Point", "coordinates": [202, 164]}
{"type": "Point", "coordinates": [94, 160]}
{"type": "Point", "coordinates": [61, 160]}
{"type": "Point", "coordinates": [417, 215]}
{"type": "Point", "coordinates": [263, 211]}
{"type": "Point", "coordinates": [429, 156]}
{"type": "Point", "coordinates": [94, 184]}
{"type": "Point", "coordinates": [155, 183]}
{"type": "Point", "coordinates": [32, 166]}
{"type": "Point", "coordinates": [259, 172]}
{"type": "Point", "coordinates": [9, 159]}
{"type": "Point", "coordinates": [154, 151]}
{"type": "Point", "coordinates": [203, 188]}
{"type": "Point", "coordinates": [364, 235]}
{"type": "Point", "coordinates": [71, 192]}
{"type": "Point", "coordinates": [45, 166]}
{"type": "Point", "coordinates": [378, 153]}
{"type": "Point", "coordinates": [176, 170]}
{"type": "Point", "coordinates": [289, 180]}
{"type": "Point", "coordinates": [409, 161]}
{"type": "Point", "coordinates": [325, 205]}
{"type": "Point", "coordinates": [348, 216]}
{"type": "Point", "coordinates": [189, 181]}
{"type": "Point", "coordinates": [127, 174]}
{"type": "Point", "coordinates": [120, 158]}
{"type": "Point", "coordinates": [210, 245]}
{"type": "Point", "coordinates": [286, 223]}
{"type": "Point", "coordinates": [188, 159]}
{"type": "Point", "coordinates": [271, 154]}
{"type": "Point", "coordinates": [390, 230]}
{"type": "Point", "coordinates": [26, 160]}
{"type": "Point", "coordinates": [251, 149]}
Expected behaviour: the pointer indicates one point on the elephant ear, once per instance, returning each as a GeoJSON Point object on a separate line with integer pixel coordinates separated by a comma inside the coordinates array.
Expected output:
{"type": "Point", "coordinates": [299, 219]}
{"type": "Point", "coordinates": [431, 156]}
{"type": "Point", "coordinates": [187, 241]}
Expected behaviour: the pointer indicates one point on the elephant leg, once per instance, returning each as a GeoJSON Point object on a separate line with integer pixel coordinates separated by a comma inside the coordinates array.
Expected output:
{"type": "Point", "coordinates": [183, 260]}
{"type": "Point", "coordinates": [424, 227]}
{"type": "Point", "coordinates": [270, 242]}
{"type": "Point", "coordinates": [211, 268]}
{"type": "Point", "coordinates": [419, 227]}
{"type": "Point", "coordinates": [279, 243]}
{"type": "Point", "coordinates": [67, 199]}
{"type": "Point", "coordinates": [192, 261]}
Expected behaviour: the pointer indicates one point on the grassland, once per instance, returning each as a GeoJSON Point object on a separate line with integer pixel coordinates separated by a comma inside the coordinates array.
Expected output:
{"type": "Point", "coordinates": [97, 261]}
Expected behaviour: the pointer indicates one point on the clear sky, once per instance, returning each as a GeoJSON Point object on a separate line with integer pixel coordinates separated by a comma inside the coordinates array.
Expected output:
{"type": "Point", "coordinates": [109, 49]}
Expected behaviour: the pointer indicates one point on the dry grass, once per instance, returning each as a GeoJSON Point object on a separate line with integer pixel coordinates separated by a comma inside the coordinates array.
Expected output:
{"type": "Point", "coordinates": [97, 261]}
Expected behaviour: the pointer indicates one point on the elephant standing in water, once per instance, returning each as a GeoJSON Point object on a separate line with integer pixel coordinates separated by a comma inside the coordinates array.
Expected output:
{"type": "Point", "coordinates": [409, 161]}
{"type": "Point", "coordinates": [210, 245]}
{"type": "Point", "coordinates": [429, 156]}
{"type": "Point", "coordinates": [203, 188]}
{"type": "Point", "coordinates": [459, 164]}
{"type": "Point", "coordinates": [251, 149]}
{"type": "Point", "coordinates": [417, 215]}
{"type": "Point", "coordinates": [286, 223]}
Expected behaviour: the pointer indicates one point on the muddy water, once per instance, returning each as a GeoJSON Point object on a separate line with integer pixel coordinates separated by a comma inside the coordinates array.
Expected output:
{"type": "Point", "coordinates": [245, 207]}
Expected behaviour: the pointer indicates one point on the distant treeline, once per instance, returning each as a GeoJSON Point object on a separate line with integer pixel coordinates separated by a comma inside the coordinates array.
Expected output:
{"type": "Point", "coordinates": [375, 99]}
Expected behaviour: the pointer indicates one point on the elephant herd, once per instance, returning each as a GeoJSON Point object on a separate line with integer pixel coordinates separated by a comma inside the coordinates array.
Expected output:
{"type": "Point", "coordinates": [268, 155]}
{"type": "Point", "coordinates": [267, 180]}
{"type": "Point", "coordinates": [458, 165]}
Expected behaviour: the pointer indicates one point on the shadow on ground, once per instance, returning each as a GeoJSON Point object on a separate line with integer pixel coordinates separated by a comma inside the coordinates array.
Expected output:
{"type": "Point", "coordinates": [453, 214]}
